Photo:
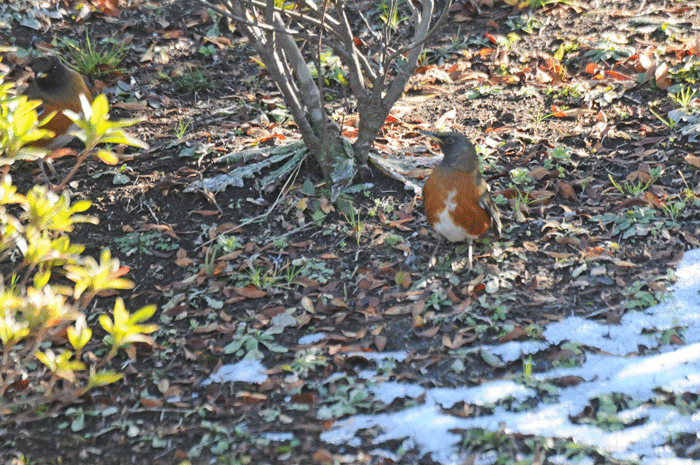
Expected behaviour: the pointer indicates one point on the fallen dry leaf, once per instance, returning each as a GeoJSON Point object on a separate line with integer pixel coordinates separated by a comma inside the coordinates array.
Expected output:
{"type": "Point", "coordinates": [693, 160]}
{"type": "Point", "coordinates": [250, 292]}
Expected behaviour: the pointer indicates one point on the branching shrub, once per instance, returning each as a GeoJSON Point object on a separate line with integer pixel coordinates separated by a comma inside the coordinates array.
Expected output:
{"type": "Point", "coordinates": [46, 283]}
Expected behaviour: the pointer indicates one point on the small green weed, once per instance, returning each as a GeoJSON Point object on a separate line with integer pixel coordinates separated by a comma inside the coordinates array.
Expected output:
{"type": "Point", "coordinates": [144, 242]}
{"type": "Point", "coordinates": [249, 345]}
{"type": "Point", "coordinates": [93, 61]}
{"type": "Point", "coordinates": [208, 50]}
{"type": "Point", "coordinates": [483, 90]}
{"type": "Point", "coordinates": [687, 72]}
{"type": "Point", "coordinates": [630, 187]}
{"type": "Point", "coordinates": [356, 224]}
{"type": "Point", "coordinates": [636, 222]}
{"type": "Point", "coordinates": [392, 239]}
{"type": "Point", "coordinates": [437, 299]}
{"type": "Point", "coordinates": [527, 24]}
{"type": "Point", "coordinates": [345, 400]}
{"type": "Point", "coordinates": [670, 122]}
{"type": "Point", "coordinates": [684, 97]}
{"type": "Point", "coordinates": [564, 48]}
{"type": "Point", "coordinates": [638, 297]}
{"type": "Point", "coordinates": [194, 80]}
{"type": "Point", "coordinates": [307, 361]}
{"type": "Point", "coordinates": [331, 68]}
{"type": "Point", "coordinates": [540, 116]}
{"type": "Point", "coordinates": [569, 94]}
{"type": "Point", "coordinates": [674, 208]}
{"type": "Point", "coordinates": [538, 4]}
{"type": "Point", "coordinates": [458, 42]}
{"type": "Point", "coordinates": [520, 177]}
{"type": "Point", "coordinates": [559, 157]}
{"type": "Point", "coordinates": [609, 48]}
{"type": "Point", "coordinates": [390, 13]}
{"type": "Point", "coordinates": [182, 126]}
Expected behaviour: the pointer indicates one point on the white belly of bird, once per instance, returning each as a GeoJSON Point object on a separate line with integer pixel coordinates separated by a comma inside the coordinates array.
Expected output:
{"type": "Point", "coordinates": [446, 227]}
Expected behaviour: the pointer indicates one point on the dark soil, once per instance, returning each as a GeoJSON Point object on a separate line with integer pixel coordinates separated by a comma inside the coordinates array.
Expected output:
{"type": "Point", "coordinates": [557, 256]}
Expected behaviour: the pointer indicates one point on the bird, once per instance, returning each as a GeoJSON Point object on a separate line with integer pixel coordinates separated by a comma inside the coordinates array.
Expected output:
{"type": "Point", "coordinates": [59, 88]}
{"type": "Point", "coordinates": [456, 198]}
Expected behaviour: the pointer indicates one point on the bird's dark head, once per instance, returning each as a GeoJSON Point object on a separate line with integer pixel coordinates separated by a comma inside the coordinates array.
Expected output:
{"type": "Point", "coordinates": [49, 71]}
{"type": "Point", "coordinates": [459, 152]}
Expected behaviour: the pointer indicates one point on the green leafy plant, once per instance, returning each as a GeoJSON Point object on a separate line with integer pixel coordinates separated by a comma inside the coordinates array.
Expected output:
{"type": "Point", "coordinates": [630, 187]}
{"type": "Point", "coordinates": [538, 4]}
{"type": "Point", "coordinates": [194, 80]}
{"type": "Point", "coordinates": [687, 71]}
{"type": "Point", "coordinates": [559, 157]}
{"type": "Point", "coordinates": [47, 283]}
{"type": "Point", "coordinates": [96, 61]}
{"type": "Point", "coordinates": [390, 11]}
{"type": "Point", "coordinates": [565, 47]}
{"type": "Point", "coordinates": [306, 361]}
{"type": "Point", "coordinates": [208, 50]}
{"type": "Point", "coordinates": [637, 221]}
{"type": "Point", "coordinates": [95, 128]}
{"type": "Point", "coordinates": [483, 90]}
{"type": "Point", "coordinates": [19, 126]}
{"type": "Point", "coordinates": [684, 97]}
{"type": "Point", "coordinates": [331, 68]}
{"type": "Point", "coordinates": [356, 223]}
{"type": "Point", "coordinates": [346, 399]}
{"type": "Point", "coordinates": [571, 94]}
{"type": "Point", "coordinates": [520, 177]}
{"type": "Point", "coordinates": [182, 126]}
{"type": "Point", "coordinates": [437, 299]}
{"type": "Point", "coordinates": [34, 311]}
{"type": "Point", "coordinates": [260, 278]}
{"type": "Point", "coordinates": [145, 242]}
{"type": "Point", "coordinates": [392, 239]}
{"type": "Point", "coordinates": [527, 24]}
{"type": "Point", "coordinates": [607, 48]}
{"type": "Point", "coordinates": [638, 297]}
{"type": "Point", "coordinates": [674, 208]}
{"type": "Point", "coordinates": [248, 345]}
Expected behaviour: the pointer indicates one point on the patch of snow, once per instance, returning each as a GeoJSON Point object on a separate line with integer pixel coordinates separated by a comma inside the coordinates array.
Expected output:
{"type": "Point", "coordinates": [673, 369]}
{"type": "Point", "coordinates": [248, 371]}
{"type": "Point", "coordinates": [312, 338]}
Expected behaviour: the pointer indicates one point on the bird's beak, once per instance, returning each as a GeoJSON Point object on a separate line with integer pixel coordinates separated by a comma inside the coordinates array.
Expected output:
{"type": "Point", "coordinates": [434, 136]}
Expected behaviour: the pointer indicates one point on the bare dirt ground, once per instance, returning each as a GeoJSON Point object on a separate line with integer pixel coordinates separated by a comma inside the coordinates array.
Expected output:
{"type": "Point", "coordinates": [572, 107]}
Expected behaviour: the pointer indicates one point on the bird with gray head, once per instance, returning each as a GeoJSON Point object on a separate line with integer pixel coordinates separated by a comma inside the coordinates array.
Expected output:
{"type": "Point", "coordinates": [456, 198]}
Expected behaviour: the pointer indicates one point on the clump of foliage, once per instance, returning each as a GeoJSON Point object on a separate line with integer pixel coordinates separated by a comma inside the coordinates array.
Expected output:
{"type": "Point", "coordinates": [48, 358]}
{"type": "Point", "coordinates": [93, 60]}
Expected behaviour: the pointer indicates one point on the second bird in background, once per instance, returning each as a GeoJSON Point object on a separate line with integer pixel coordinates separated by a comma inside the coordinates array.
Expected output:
{"type": "Point", "coordinates": [456, 198]}
{"type": "Point", "coordinates": [59, 88]}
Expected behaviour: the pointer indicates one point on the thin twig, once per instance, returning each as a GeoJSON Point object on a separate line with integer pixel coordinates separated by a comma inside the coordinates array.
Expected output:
{"type": "Point", "coordinates": [240, 20]}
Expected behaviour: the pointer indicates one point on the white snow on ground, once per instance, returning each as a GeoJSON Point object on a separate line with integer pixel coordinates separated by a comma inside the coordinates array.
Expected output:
{"type": "Point", "coordinates": [248, 371]}
{"type": "Point", "coordinates": [674, 369]}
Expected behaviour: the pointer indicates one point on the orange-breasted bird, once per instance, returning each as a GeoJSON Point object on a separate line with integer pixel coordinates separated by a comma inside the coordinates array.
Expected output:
{"type": "Point", "coordinates": [456, 198]}
{"type": "Point", "coordinates": [59, 88]}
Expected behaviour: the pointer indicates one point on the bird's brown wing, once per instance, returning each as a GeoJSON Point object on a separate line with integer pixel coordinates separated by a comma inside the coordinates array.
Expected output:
{"type": "Point", "coordinates": [487, 203]}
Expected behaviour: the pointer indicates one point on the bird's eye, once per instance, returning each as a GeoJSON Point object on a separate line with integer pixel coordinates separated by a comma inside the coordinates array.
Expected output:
{"type": "Point", "coordinates": [450, 140]}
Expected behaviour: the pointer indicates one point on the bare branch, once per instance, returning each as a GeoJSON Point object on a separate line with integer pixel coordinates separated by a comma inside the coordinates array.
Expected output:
{"type": "Point", "coordinates": [424, 38]}
{"type": "Point", "coordinates": [243, 21]}
{"type": "Point", "coordinates": [354, 62]}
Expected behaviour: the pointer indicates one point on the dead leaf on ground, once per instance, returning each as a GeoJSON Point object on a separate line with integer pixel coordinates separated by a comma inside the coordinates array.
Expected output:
{"type": "Point", "coordinates": [693, 160]}
{"type": "Point", "coordinates": [250, 292]}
